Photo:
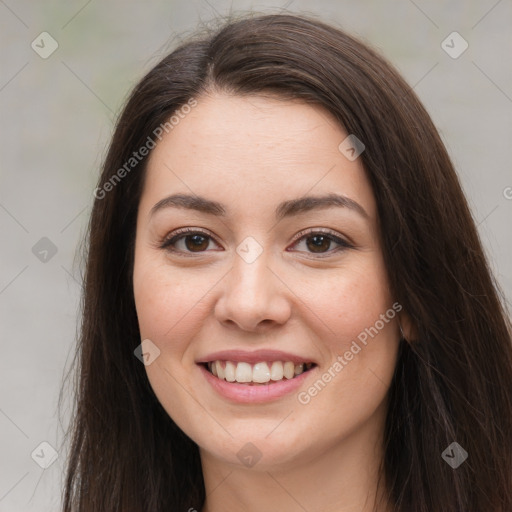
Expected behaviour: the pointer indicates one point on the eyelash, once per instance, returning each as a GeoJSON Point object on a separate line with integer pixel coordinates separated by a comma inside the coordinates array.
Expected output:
{"type": "Point", "coordinates": [169, 241]}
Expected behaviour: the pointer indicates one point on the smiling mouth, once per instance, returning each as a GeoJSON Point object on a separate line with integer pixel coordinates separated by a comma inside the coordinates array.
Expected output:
{"type": "Point", "coordinates": [262, 373]}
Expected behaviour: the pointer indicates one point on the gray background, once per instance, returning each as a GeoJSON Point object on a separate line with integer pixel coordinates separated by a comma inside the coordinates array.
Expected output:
{"type": "Point", "coordinates": [57, 116]}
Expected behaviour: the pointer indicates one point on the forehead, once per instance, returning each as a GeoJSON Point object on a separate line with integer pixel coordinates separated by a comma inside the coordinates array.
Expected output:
{"type": "Point", "coordinates": [254, 150]}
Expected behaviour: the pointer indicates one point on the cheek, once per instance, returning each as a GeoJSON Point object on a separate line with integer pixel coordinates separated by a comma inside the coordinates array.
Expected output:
{"type": "Point", "coordinates": [168, 302]}
{"type": "Point", "coordinates": [359, 325]}
{"type": "Point", "coordinates": [350, 302]}
{"type": "Point", "coordinates": [360, 321]}
{"type": "Point", "coordinates": [170, 313]}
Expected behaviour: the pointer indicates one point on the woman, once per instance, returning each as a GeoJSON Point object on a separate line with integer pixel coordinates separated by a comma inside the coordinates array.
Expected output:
{"type": "Point", "coordinates": [286, 306]}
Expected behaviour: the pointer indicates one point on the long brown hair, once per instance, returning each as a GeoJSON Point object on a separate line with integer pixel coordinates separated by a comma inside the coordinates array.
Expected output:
{"type": "Point", "coordinates": [453, 381]}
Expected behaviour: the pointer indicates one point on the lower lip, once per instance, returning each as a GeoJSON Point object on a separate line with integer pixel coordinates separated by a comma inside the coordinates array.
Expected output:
{"type": "Point", "coordinates": [259, 393]}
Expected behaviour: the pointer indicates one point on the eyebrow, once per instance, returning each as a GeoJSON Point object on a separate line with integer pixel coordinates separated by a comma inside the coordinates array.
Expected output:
{"type": "Point", "coordinates": [285, 209]}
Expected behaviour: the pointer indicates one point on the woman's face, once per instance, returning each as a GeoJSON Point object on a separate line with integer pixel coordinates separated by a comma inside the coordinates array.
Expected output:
{"type": "Point", "coordinates": [278, 290]}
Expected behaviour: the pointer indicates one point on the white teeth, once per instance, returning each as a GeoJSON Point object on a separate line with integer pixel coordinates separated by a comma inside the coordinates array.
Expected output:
{"type": "Point", "coordinates": [259, 373]}
{"type": "Point", "coordinates": [229, 371]}
{"type": "Point", "coordinates": [276, 371]}
{"type": "Point", "coordinates": [243, 372]}
{"type": "Point", "coordinates": [289, 370]}
{"type": "Point", "coordinates": [220, 370]}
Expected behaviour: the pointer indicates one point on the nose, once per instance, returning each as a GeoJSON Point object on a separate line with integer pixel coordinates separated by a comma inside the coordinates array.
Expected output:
{"type": "Point", "coordinates": [253, 297]}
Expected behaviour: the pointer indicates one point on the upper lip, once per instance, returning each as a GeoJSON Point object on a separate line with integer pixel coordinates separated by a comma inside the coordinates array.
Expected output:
{"type": "Point", "coordinates": [255, 356]}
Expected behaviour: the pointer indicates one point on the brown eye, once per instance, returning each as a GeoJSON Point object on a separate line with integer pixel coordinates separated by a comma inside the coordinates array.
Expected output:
{"type": "Point", "coordinates": [318, 243]}
{"type": "Point", "coordinates": [188, 241]}
{"type": "Point", "coordinates": [196, 243]}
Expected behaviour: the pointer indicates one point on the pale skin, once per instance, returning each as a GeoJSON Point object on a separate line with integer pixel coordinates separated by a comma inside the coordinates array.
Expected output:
{"type": "Point", "coordinates": [251, 154]}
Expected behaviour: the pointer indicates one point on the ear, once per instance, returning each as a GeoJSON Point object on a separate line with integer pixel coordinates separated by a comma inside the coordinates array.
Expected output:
{"type": "Point", "coordinates": [408, 327]}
